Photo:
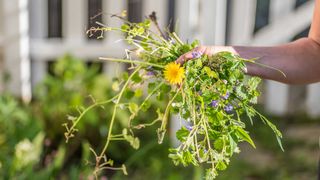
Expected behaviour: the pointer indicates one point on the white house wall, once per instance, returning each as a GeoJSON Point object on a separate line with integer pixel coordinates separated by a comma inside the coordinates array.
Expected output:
{"type": "Point", "coordinates": [16, 49]}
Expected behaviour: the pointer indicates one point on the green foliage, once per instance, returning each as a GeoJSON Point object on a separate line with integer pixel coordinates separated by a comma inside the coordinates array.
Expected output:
{"type": "Point", "coordinates": [213, 98]}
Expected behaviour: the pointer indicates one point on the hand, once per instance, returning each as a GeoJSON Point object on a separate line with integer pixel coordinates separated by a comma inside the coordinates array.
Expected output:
{"type": "Point", "coordinates": [202, 50]}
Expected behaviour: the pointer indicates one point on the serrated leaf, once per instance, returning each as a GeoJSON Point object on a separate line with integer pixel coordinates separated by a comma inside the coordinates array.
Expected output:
{"type": "Point", "coordinates": [218, 144]}
{"type": "Point", "coordinates": [221, 165]}
{"type": "Point", "coordinates": [182, 134]}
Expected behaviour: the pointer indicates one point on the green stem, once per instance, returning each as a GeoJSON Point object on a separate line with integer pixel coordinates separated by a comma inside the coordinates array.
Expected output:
{"type": "Point", "coordinates": [131, 61]}
{"type": "Point", "coordinates": [146, 99]}
{"type": "Point", "coordinates": [114, 114]}
{"type": "Point", "coordinates": [162, 130]}
{"type": "Point", "coordinates": [165, 119]}
{"type": "Point", "coordinates": [139, 126]}
{"type": "Point", "coordinates": [195, 122]}
{"type": "Point", "coordinates": [149, 95]}
{"type": "Point", "coordinates": [70, 131]}
{"type": "Point", "coordinates": [177, 38]}
{"type": "Point", "coordinates": [208, 141]}
{"type": "Point", "coordinates": [142, 36]}
{"type": "Point", "coordinates": [264, 65]}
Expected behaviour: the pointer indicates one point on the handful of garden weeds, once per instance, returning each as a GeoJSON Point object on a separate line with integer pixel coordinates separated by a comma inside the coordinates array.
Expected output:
{"type": "Point", "coordinates": [210, 93]}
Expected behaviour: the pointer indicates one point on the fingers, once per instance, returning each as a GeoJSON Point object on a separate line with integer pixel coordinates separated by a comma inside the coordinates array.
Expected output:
{"type": "Point", "coordinates": [195, 53]}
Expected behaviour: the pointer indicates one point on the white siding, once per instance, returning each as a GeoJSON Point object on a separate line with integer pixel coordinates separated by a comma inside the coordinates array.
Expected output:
{"type": "Point", "coordinates": [16, 53]}
{"type": "Point", "coordinates": [242, 21]}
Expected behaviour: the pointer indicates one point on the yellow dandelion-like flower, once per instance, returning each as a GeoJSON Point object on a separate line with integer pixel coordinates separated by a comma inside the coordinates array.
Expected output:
{"type": "Point", "coordinates": [173, 73]}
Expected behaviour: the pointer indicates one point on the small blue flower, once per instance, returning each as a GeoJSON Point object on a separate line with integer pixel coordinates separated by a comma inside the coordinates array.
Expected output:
{"type": "Point", "coordinates": [200, 92]}
{"type": "Point", "coordinates": [214, 103]}
{"type": "Point", "coordinates": [196, 54]}
{"type": "Point", "coordinates": [188, 127]}
{"type": "Point", "coordinates": [225, 97]}
{"type": "Point", "coordinates": [150, 73]}
{"type": "Point", "coordinates": [228, 108]}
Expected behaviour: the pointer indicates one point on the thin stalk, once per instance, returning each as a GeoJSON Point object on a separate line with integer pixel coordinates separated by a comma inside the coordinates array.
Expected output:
{"type": "Point", "coordinates": [208, 141]}
{"type": "Point", "coordinates": [266, 66]}
{"type": "Point", "coordinates": [84, 112]}
{"type": "Point", "coordinates": [177, 38]}
{"type": "Point", "coordinates": [114, 114]}
{"type": "Point", "coordinates": [139, 126]}
{"type": "Point", "coordinates": [165, 119]}
{"type": "Point", "coordinates": [131, 61]}
{"type": "Point", "coordinates": [194, 122]}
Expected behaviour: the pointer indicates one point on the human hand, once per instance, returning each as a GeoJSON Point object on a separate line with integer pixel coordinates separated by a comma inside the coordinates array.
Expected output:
{"type": "Point", "coordinates": [203, 50]}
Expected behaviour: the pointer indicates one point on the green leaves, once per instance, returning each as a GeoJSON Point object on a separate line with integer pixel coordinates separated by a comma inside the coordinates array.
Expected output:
{"type": "Point", "coordinates": [134, 141]}
{"type": "Point", "coordinates": [133, 107]}
{"type": "Point", "coordinates": [245, 136]}
{"type": "Point", "coordinates": [182, 134]}
{"type": "Point", "coordinates": [210, 73]}
{"type": "Point", "coordinates": [214, 96]}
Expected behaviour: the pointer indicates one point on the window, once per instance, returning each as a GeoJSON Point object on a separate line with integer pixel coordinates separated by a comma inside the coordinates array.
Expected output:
{"type": "Point", "coordinates": [135, 10]}
{"type": "Point", "coordinates": [94, 15]}
{"type": "Point", "coordinates": [262, 14]}
{"type": "Point", "coordinates": [54, 18]}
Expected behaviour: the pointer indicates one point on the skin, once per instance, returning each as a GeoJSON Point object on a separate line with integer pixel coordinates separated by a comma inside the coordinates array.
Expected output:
{"type": "Point", "coordinates": [299, 60]}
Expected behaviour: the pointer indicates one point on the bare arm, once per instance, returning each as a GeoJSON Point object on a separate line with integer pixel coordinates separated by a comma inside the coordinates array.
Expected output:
{"type": "Point", "coordinates": [299, 60]}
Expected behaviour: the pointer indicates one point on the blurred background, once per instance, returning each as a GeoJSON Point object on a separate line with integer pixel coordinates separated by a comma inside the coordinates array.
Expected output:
{"type": "Point", "coordinates": [48, 66]}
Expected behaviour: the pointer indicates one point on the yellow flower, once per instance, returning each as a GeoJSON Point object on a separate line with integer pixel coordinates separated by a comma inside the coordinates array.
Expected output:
{"type": "Point", "coordinates": [173, 73]}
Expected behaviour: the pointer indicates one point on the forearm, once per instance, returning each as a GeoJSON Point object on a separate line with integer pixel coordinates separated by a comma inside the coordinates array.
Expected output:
{"type": "Point", "coordinates": [299, 60]}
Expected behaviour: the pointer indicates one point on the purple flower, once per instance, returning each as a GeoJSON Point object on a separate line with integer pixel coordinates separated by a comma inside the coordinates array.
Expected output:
{"type": "Point", "coordinates": [228, 108]}
{"type": "Point", "coordinates": [214, 103]}
{"type": "Point", "coordinates": [188, 127]}
{"type": "Point", "coordinates": [150, 73]}
{"type": "Point", "coordinates": [196, 54]}
{"type": "Point", "coordinates": [225, 97]}
{"type": "Point", "coordinates": [200, 93]}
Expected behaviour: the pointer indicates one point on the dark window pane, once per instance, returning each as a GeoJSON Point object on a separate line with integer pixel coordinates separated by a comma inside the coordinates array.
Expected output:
{"type": "Point", "coordinates": [94, 15]}
{"type": "Point", "coordinates": [171, 16]}
{"type": "Point", "coordinates": [54, 18]}
{"type": "Point", "coordinates": [134, 10]}
{"type": "Point", "coordinates": [228, 21]}
{"type": "Point", "coordinates": [262, 14]}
